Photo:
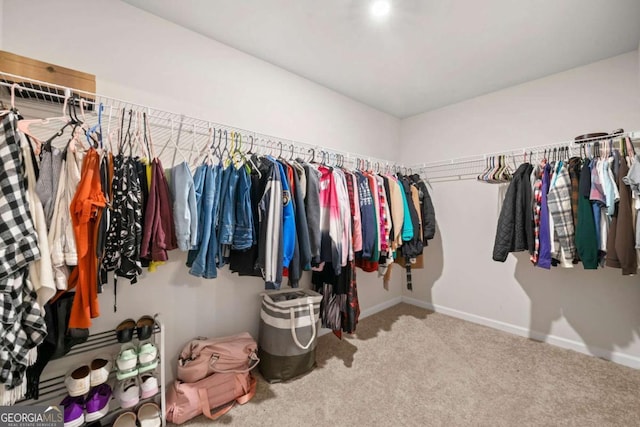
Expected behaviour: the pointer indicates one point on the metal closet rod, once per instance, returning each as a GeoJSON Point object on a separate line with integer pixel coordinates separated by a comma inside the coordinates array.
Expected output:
{"type": "Point", "coordinates": [481, 158]}
{"type": "Point", "coordinates": [188, 124]}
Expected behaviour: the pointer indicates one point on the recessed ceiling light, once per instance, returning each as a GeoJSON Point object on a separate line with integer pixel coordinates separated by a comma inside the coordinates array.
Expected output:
{"type": "Point", "coordinates": [380, 8]}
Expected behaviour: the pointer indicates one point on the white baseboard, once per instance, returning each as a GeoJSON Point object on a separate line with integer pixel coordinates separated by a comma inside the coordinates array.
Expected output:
{"type": "Point", "coordinates": [371, 311]}
{"type": "Point", "coordinates": [614, 356]}
{"type": "Point", "coordinates": [379, 307]}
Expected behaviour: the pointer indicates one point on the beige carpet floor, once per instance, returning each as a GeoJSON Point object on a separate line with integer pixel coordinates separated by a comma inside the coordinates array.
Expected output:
{"type": "Point", "coordinates": [410, 367]}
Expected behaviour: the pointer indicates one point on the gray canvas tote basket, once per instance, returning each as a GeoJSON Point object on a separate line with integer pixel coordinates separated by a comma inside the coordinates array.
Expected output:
{"type": "Point", "coordinates": [289, 325]}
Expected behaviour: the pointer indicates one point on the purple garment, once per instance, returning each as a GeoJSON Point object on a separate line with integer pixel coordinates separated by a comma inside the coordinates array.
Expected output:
{"type": "Point", "coordinates": [73, 408]}
{"type": "Point", "coordinates": [596, 196]}
{"type": "Point", "coordinates": [544, 260]}
{"type": "Point", "coordinates": [98, 398]}
{"type": "Point", "coordinates": [597, 190]}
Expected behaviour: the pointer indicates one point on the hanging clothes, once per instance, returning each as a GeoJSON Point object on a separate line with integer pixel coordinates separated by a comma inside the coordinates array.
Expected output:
{"type": "Point", "coordinates": [158, 235]}
{"type": "Point", "coordinates": [559, 203]}
{"type": "Point", "coordinates": [270, 248]}
{"type": "Point", "coordinates": [41, 270]}
{"type": "Point", "coordinates": [209, 179]}
{"type": "Point", "coordinates": [123, 242]}
{"type": "Point", "coordinates": [245, 262]}
{"type": "Point", "coordinates": [62, 241]}
{"type": "Point", "coordinates": [514, 230]}
{"type": "Point", "coordinates": [621, 244]}
{"type": "Point", "coordinates": [86, 208]}
{"type": "Point", "coordinates": [586, 237]}
{"type": "Point", "coordinates": [330, 221]}
{"type": "Point", "coordinates": [185, 212]}
{"type": "Point", "coordinates": [22, 317]}
{"type": "Point", "coordinates": [546, 237]}
{"type": "Point", "coordinates": [51, 160]}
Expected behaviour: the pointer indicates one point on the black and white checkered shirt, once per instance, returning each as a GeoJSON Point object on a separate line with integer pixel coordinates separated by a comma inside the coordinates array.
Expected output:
{"type": "Point", "coordinates": [18, 239]}
{"type": "Point", "coordinates": [22, 318]}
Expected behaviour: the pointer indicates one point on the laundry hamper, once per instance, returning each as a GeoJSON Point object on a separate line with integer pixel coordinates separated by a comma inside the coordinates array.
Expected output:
{"type": "Point", "coordinates": [289, 324]}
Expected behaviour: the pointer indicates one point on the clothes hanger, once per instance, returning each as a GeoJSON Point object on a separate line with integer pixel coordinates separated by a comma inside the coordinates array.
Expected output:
{"type": "Point", "coordinates": [217, 152]}
{"type": "Point", "coordinates": [71, 120]}
{"type": "Point", "coordinates": [497, 165]}
{"type": "Point", "coordinates": [313, 154]}
{"type": "Point", "coordinates": [251, 147]}
{"type": "Point", "coordinates": [492, 166]}
{"type": "Point", "coordinates": [148, 140]}
{"type": "Point", "coordinates": [484, 172]}
{"type": "Point", "coordinates": [502, 166]}
{"type": "Point", "coordinates": [497, 174]}
{"type": "Point", "coordinates": [136, 138]}
{"type": "Point", "coordinates": [280, 146]}
{"type": "Point", "coordinates": [291, 156]}
{"type": "Point", "coordinates": [239, 157]}
{"type": "Point", "coordinates": [170, 139]}
{"type": "Point", "coordinates": [12, 101]}
{"type": "Point", "coordinates": [97, 128]}
{"type": "Point", "coordinates": [209, 146]}
{"type": "Point", "coordinates": [127, 138]}
{"type": "Point", "coordinates": [249, 158]}
{"type": "Point", "coordinates": [23, 125]}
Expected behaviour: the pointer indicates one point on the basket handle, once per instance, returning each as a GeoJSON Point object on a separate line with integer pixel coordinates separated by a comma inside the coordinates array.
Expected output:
{"type": "Point", "coordinates": [293, 328]}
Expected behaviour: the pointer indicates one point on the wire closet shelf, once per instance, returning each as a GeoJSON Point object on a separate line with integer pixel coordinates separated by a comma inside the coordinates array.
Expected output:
{"type": "Point", "coordinates": [469, 167]}
{"type": "Point", "coordinates": [175, 137]}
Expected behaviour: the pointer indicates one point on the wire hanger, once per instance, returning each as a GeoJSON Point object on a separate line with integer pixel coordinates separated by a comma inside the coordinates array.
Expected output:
{"type": "Point", "coordinates": [23, 125]}
{"type": "Point", "coordinates": [12, 106]}
{"type": "Point", "coordinates": [291, 156]}
{"type": "Point", "coordinates": [280, 146]}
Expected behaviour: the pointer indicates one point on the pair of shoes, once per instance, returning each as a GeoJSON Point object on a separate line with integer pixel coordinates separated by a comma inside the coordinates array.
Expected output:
{"type": "Point", "coordinates": [78, 410]}
{"type": "Point", "coordinates": [130, 391]}
{"type": "Point", "coordinates": [134, 360]}
{"type": "Point", "coordinates": [143, 327]}
{"type": "Point", "coordinates": [148, 416]}
{"type": "Point", "coordinates": [81, 379]}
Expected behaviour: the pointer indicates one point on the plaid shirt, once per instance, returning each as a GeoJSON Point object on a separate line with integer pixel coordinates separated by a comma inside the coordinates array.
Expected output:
{"type": "Point", "coordinates": [22, 319]}
{"type": "Point", "coordinates": [23, 329]}
{"type": "Point", "coordinates": [385, 216]}
{"type": "Point", "coordinates": [559, 203]}
{"type": "Point", "coordinates": [18, 239]}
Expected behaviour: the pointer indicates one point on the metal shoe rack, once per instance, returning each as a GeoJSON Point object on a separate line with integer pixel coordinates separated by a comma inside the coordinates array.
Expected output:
{"type": "Point", "coordinates": [52, 389]}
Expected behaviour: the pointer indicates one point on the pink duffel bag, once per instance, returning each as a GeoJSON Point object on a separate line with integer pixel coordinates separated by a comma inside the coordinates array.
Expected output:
{"type": "Point", "coordinates": [213, 396]}
{"type": "Point", "coordinates": [205, 356]}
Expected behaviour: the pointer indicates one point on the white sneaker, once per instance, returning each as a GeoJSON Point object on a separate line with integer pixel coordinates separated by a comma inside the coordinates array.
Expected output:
{"type": "Point", "coordinates": [127, 362]}
{"type": "Point", "coordinates": [128, 393]}
{"type": "Point", "coordinates": [148, 385]}
{"type": "Point", "coordinates": [100, 370]}
{"type": "Point", "coordinates": [78, 382]}
{"type": "Point", "coordinates": [147, 357]}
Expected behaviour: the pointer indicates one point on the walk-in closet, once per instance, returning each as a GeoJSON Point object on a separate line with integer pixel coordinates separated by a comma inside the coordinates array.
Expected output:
{"type": "Point", "coordinates": [354, 212]}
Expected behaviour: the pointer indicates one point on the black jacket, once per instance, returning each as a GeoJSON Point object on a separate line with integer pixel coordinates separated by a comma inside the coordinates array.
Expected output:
{"type": "Point", "coordinates": [427, 211]}
{"type": "Point", "coordinates": [515, 224]}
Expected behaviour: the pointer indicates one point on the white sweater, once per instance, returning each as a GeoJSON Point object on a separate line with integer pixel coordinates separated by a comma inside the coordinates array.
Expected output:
{"type": "Point", "coordinates": [62, 240]}
{"type": "Point", "coordinates": [40, 271]}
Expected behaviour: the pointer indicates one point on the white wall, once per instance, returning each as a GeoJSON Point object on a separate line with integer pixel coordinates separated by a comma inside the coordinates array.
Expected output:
{"type": "Point", "coordinates": [592, 311]}
{"type": "Point", "coordinates": [1, 20]}
{"type": "Point", "coordinates": [139, 57]}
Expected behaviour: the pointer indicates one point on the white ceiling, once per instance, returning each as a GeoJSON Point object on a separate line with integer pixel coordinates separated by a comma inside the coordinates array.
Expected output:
{"type": "Point", "coordinates": [427, 54]}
